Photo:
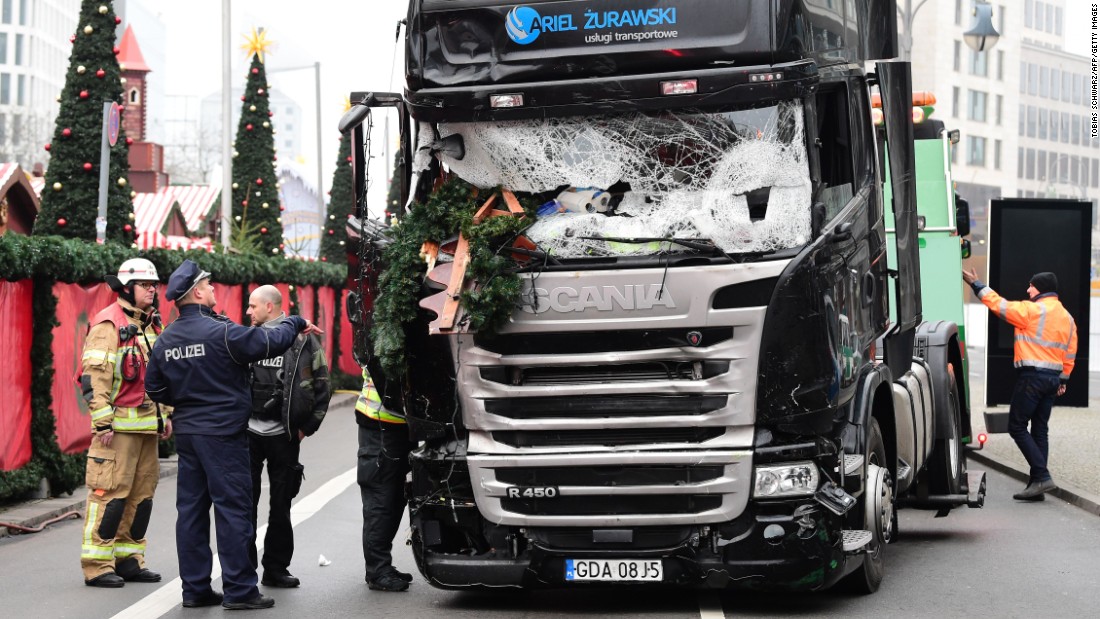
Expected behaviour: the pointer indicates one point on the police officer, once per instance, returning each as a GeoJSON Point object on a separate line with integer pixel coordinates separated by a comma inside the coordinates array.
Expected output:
{"type": "Point", "coordinates": [1044, 354]}
{"type": "Point", "coordinates": [290, 397]}
{"type": "Point", "coordinates": [384, 447]}
{"type": "Point", "coordinates": [123, 467]}
{"type": "Point", "coordinates": [199, 365]}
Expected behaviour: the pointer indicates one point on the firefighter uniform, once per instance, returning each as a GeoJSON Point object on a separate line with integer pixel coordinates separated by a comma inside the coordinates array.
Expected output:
{"type": "Point", "coordinates": [1044, 352]}
{"type": "Point", "coordinates": [383, 462]}
{"type": "Point", "coordinates": [122, 477]}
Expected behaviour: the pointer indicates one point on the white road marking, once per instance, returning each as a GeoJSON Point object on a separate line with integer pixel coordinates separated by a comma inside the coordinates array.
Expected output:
{"type": "Point", "coordinates": [168, 596]}
{"type": "Point", "coordinates": [710, 606]}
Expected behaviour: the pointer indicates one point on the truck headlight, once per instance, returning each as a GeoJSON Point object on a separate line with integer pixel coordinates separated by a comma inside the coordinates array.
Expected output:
{"type": "Point", "coordinates": [776, 481]}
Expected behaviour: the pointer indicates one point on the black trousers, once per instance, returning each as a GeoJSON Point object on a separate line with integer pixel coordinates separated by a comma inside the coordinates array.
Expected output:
{"type": "Point", "coordinates": [383, 463]}
{"type": "Point", "coordinates": [284, 475]}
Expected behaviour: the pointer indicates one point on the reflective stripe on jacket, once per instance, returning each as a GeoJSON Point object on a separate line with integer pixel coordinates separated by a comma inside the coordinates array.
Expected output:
{"type": "Point", "coordinates": [1046, 335]}
{"type": "Point", "coordinates": [112, 373]}
{"type": "Point", "coordinates": [370, 403]}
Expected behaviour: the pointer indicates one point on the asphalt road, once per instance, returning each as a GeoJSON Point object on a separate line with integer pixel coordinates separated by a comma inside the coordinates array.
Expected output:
{"type": "Point", "coordinates": [1007, 560]}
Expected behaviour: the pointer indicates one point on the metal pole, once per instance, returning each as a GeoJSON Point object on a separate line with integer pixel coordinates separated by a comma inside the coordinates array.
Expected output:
{"type": "Point", "coordinates": [320, 172]}
{"type": "Point", "coordinates": [104, 176]}
{"type": "Point", "coordinates": [227, 119]}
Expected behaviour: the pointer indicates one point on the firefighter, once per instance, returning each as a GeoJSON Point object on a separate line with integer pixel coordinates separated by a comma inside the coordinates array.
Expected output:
{"type": "Point", "coordinates": [200, 367]}
{"type": "Point", "coordinates": [123, 467]}
{"type": "Point", "coordinates": [384, 447]}
{"type": "Point", "coordinates": [1044, 354]}
{"type": "Point", "coordinates": [290, 397]}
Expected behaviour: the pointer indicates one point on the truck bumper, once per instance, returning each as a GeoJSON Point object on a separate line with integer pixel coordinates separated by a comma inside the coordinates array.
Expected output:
{"type": "Point", "coordinates": [801, 558]}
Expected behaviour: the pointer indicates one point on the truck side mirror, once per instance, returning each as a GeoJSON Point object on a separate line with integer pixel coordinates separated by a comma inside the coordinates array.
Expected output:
{"type": "Point", "coordinates": [965, 247]}
{"type": "Point", "coordinates": [962, 215]}
{"type": "Point", "coordinates": [354, 308]}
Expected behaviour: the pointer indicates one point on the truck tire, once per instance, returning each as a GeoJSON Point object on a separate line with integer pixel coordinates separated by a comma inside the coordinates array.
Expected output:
{"type": "Point", "coordinates": [947, 466]}
{"type": "Point", "coordinates": [880, 517]}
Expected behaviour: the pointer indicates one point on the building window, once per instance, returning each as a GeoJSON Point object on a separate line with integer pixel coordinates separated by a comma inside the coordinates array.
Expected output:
{"type": "Point", "coordinates": [1065, 86]}
{"type": "Point", "coordinates": [1050, 19]}
{"type": "Point", "coordinates": [977, 105]}
{"type": "Point", "coordinates": [20, 98]}
{"type": "Point", "coordinates": [1021, 114]}
{"type": "Point", "coordinates": [1001, 20]}
{"type": "Point", "coordinates": [7, 12]}
{"type": "Point", "coordinates": [3, 48]}
{"type": "Point", "coordinates": [1019, 163]}
{"type": "Point", "coordinates": [1032, 79]}
{"type": "Point", "coordinates": [1044, 82]}
{"type": "Point", "coordinates": [1055, 84]}
{"type": "Point", "coordinates": [958, 55]}
{"type": "Point", "coordinates": [1001, 66]}
{"type": "Point", "coordinates": [1043, 123]}
{"type": "Point", "coordinates": [18, 50]}
{"type": "Point", "coordinates": [5, 88]}
{"type": "Point", "coordinates": [954, 102]}
{"type": "Point", "coordinates": [979, 63]}
{"type": "Point", "coordinates": [1054, 122]}
{"type": "Point", "coordinates": [1075, 129]}
{"type": "Point", "coordinates": [1065, 127]}
{"type": "Point", "coordinates": [1074, 164]}
{"type": "Point", "coordinates": [1076, 88]}
{"type": "Point", "coordinates": [134, 96]}
{"type": "Point", "coordinates": [959, 12]}
{"type": "Point", "coordinates": [975, 151]}
{"type": "Point", "coordinates": [1095, 173]}
{"type": "Point", "coordinates": [1042, 164]}
{"type": "Point", "coordinates": [996, 154]}
{"type": "Point", "coordinates": [997, 108]}
{"type": "Point", "coordinates": [22, 12]}
{"type": "Point", "coordinates": [1029, 171]}
{"type": "Point", "coordinates": [1028, 8]}
{"type": "Point", "coordinates": [1031, 119]}
{"type": "Point", "coordinates": [1038, 16]}
{"type": "Point", "coordinates": [1084, 171]}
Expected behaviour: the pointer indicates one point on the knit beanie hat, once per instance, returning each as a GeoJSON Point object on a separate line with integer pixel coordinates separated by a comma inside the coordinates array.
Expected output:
{"type": "Point", "coordinates": [1045, 282]}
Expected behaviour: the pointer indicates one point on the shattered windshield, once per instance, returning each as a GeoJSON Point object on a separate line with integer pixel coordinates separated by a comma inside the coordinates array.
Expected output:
{"type": "Point", "coordinates": [739, 179]}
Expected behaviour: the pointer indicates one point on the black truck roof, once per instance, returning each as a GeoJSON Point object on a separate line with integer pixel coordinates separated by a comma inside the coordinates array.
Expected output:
{"type": "Point", "coordinates": [459, 51]}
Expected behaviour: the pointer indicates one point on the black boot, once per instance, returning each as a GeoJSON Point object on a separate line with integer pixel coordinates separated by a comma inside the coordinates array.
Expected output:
{"type": "Point", "coordinates": [110, 580]}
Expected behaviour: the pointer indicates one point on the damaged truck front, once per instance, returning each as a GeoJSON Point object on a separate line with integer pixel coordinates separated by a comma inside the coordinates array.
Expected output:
{"type": "Point", "coordinates": [696, 379]}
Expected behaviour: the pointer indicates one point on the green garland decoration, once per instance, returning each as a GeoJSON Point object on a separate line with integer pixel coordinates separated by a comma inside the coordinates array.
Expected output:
{"type": "Point", "coordinates": [80, 262]}
{"type": "Point", "coordinates": [447, 211]}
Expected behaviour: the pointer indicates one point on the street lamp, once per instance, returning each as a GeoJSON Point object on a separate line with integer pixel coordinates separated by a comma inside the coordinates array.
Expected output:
{"type": "Point", "coordinates": [1062, 178]}
{"type": "Point", "coordinates": [907, 15]}
{"type": "Point", "coordinates": [982, 35]}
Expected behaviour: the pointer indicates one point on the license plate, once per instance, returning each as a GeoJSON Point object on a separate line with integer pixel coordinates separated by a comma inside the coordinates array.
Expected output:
{"type": "Point", "coordinates": [612, 570]}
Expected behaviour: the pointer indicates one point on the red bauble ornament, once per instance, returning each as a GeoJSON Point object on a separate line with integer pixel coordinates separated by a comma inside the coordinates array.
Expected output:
{"type": "Point", "coordinates": [83, 94]}
{"type": "Point", "coordinates": [331, 232]}
{"type": "Point", "coordinates": [274, 157]}
{"type": "Point", "coordinates": [255, 71]}
{"type": "Point", "coordinates": [116, 50]}
{"type": "Point", "coordinates": [263, 230]}
{"type": "Point", "coordinates": [129, 141]}
{"type": "Point", "coordinates": [281, 246]}
{"type": "Point", "coordinates": [87, 166]}
{"type": "Point", "coordinates": [118, 20]}
{"type": "Point", "coordinates": [100, 73]}
{"type": "Point", "coordinates": [248, 127]}
{"type": "Point", "coordinates": [324, 259]}
{"type": "Point", "coordinates": [282, 208]}
{"type": "Point", "coordinates": [66, 132]}
{"type": "Point", "coordinates": [47, 147]}
{"type": "Point", "coordinates": [72, 39]}
{"type": "Point", "coordinates": [260, 91]}
{"type": "Point", "coordinates": [259, 181]}
{"type": "Point", "coordinates": [270, 113]}
{"type": "Point", "coordinates": [61, 222]}
{"type": "Point", "coordinates": [349, 158]}
{"type": "Point", "coordinates": [244, 202]}
{"type": "Point", "coordinates": [127, 227]}
{"type": "Point", "coordinates": [242, 97]}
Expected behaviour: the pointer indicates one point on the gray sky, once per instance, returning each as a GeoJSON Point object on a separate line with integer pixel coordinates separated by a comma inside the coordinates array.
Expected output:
{"type": "Point", "coordinates": [354, 41]}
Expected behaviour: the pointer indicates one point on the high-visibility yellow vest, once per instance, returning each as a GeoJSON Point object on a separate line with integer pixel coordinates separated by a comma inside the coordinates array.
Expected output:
{"type": "Point", "coordinates": [370, 403]}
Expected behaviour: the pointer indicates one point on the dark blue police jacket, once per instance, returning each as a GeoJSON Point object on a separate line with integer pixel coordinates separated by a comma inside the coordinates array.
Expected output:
{"type": "Point", "coordinates": [199, 365]}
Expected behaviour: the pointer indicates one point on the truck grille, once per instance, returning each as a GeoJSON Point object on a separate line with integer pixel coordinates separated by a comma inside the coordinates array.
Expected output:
{"type": "Point", "coordinates": [612, 505]}
{"type": "Point", "coordinates": [607, 437]}
{"type": "Point", "coordinates": [610, 476]}
{"type": "Point", "coordinates": [606, 406]}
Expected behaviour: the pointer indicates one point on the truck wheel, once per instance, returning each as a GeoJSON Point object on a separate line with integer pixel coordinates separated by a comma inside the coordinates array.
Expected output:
{"type": "Point", "coordinates": [947, 466]}
{"type": "Point", "coordinates": [879, 517]}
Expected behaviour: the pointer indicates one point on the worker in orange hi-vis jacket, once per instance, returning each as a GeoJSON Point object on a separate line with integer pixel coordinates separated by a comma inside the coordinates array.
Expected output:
{"type": "Point", "coordinates": [1044, 354]}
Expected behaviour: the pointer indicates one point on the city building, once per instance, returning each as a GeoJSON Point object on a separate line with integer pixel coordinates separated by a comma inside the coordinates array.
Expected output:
{"type": "Point", "coordinates": [1004, 101]}
{"type": "Point", "coordinates": [287, 121]}
{"type": "Point", "coordinates": [34, 57]}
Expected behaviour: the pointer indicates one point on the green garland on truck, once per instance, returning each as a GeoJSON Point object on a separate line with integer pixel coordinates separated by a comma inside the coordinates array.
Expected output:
{"type": "Point", "coordinates": [447, 211]}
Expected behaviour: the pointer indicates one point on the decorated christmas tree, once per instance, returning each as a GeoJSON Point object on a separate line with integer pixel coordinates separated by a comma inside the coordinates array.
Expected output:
{"type": "Point", "coordinates": [70, 198]}
{"type": "Point", "coordinates": [340, 205]}
{"type": "Point", "coordinates": [256, 209]}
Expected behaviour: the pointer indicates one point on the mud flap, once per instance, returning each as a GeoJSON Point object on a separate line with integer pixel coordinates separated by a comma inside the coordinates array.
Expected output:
{"type": "Point", "coordinates": [112, 517]}
{"type": "Point", "coordinates": [141, 519]}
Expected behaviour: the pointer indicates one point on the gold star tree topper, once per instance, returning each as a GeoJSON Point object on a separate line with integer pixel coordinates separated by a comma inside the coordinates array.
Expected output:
{"type": "Point", "coordinates": [257, 43]}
